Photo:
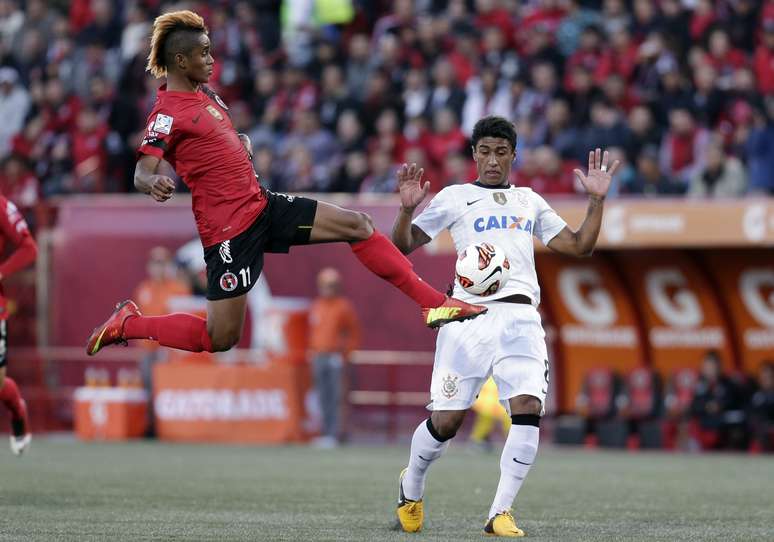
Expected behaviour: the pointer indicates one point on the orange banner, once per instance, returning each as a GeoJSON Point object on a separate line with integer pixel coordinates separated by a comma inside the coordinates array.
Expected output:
{"type": "Point", "coordinates": [595, 320]}
{"type": "Point", "coordinates": [679, 307]}
{"type": "Point", "coordinates": [230, 403]}
{"type": "Point", "coordinates": [746, 282]}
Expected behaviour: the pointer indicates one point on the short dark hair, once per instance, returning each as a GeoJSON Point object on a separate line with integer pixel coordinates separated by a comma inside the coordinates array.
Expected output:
{"type": "Point", "coordinates": [494, 126]}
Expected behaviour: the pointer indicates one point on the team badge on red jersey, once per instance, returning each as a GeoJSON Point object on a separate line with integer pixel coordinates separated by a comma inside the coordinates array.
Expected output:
{"type": "Point", "coordinates": [214, 112]}
{"type": "Point", "coordinates": [163, 124]}
{"type": "Point", "coordinates": [228, 281]}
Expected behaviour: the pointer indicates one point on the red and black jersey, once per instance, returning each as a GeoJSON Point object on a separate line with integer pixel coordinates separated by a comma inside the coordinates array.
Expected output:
{"type": "Point", "coordinates": [193, 132]}
{"type": "Point", "coordinates": [14, 232]}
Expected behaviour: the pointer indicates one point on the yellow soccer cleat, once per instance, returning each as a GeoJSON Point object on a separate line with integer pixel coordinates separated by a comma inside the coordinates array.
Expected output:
{"type": "Point", "coordinates": [411, 514]}
{"type": "Point", "coordinates": [503, 524]}
{"type": "Point", "coordinates": [452, 310]}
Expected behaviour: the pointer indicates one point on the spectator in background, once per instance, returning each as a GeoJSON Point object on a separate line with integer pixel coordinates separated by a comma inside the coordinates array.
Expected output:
{"type": "Point", "coordinates": [717, 407]}
{"type": "Point", "coordinates": [334, 99]}
{"type": "Point", "coordinates": [625, 175]}
{"type": "Point", "coordinates": [643, 132]}
{"type": "Point", "coordinates": [683, 147]}
{"type": "Point", "coordinates": [577, 19]}
{"type": "Point", "coordinates": [615, 16]}
{"type": "Point", "coordinates": [485, 96]}
{"type": "Point", "coordinates": [707, 99]}
{"type": "Point", "coordinates": [722, 176]}
{"type": "Point", "coordinates": [352, 173]}
{"type": "Point", "coordinates": [762, 408]}
{"type": "Point", "coordinates": [267, 170]}
{"type": "Point", "coordinates": [458, 168]}
{"type": "Point", "coordinates": [446, 137]}
{"type": "Point", "coordinates": [358, 66]}
{"type": "Point", "coordinates": [14, 104]}
{"type": "Point", "coordinates": [552, 175]}
{"type": "Point", "coordinates": [382, 173]}
{"type": "Point", "coordinates": [153, 295]}
{"type": "Point", "coordinates": [759, 149]}
{"type": "Point", "coordinates": [724, 57]}
{"type": "Point", "coordinates": [388, 137]}
{"type": "Point", "coordinates": [334, 335]}
{"type": "Point", "coordinates": [445, 91]}
{"type": "Point", "coordinates": [89, 152]}
{"type": "Point", "coordinates": [19, 184]}
{"type": "Point", "coordinates": [559, 133]}
{"type": "Point", "coordinates": [764, 58]}
{"type": "Point", "coordinates": [607, 129]}
{"type": "Point", "coordinates": [649, 181]}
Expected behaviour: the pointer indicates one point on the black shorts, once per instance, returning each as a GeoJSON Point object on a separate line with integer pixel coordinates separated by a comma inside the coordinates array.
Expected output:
{"type": "Point", "coordinates": [234, 265]}
{"type": "Point", "coordinates": [3, 343]}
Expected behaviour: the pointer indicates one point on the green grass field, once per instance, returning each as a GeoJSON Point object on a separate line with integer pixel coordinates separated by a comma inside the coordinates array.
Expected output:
{"type": "Point", "coordinates": [66, 490]}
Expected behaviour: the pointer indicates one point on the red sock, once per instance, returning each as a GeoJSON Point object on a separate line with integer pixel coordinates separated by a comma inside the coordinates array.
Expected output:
{"type": "Point", "coordinates": [178, 330]}
{"type": "Point", "coordinates": [384, 259]}
{"type": "Point", "coordinates": [12, 399]}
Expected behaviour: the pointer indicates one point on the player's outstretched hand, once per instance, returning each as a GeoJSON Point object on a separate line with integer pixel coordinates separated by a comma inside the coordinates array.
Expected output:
{"type": "Point", "coordinates": [598, 179]}
{"type": "Point", "coordinates": [161, 187]}
{"type": "Point", "coordinates": [410, 186]}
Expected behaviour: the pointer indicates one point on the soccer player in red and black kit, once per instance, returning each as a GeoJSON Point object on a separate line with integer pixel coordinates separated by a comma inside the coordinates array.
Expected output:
{"type": "Point", "coordinates": [237, 219]}
{"type": "Point", "coordinates": [13, 231]}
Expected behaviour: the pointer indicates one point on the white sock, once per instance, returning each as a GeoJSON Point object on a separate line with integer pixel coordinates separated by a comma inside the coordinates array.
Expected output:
{"type": "Point", "coordinates": [425, 449]}
{"type": "Point", "coordinates": [518, 455]}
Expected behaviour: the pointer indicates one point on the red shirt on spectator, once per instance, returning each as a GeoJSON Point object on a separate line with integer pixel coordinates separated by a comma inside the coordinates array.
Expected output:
{"type": "Point", "coordinates": [590, 60]}
{"type": "Point", "coordinates": [62, 118]}
{"type": "Point", "coordinates": [729, 63]}
{"type": "Point", "coordinates": [438, 146]}
{"type": "Point", "coordinates": [499, 18]}
{"type": "Point", "coordinates": [90, 157]}
{"type": "Point", "coordinates": [764, 69]}
{"type": "Point", "coordinates": [699, 24]}
{"type": "Point", "coordinates": [550, 18]}
{"type": "Point", "coordinates": [622, 63]}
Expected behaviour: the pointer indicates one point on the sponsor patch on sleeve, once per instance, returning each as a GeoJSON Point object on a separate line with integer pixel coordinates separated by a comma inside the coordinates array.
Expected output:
{"type": "Point", "coordinates": [163, 124]}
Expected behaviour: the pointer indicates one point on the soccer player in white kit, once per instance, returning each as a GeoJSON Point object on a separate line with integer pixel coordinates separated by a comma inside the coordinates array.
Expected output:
{"type": "Point", "coordinates": [508, 342]}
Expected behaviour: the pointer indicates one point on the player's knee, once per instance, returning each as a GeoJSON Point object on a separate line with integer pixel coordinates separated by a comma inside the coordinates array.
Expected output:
{"type": "Point", "coordinates": [526, 404]}
{"type": "Point", "coordinates": [446, 424]}
{"type": "Point", "coordinates": [362, 226]}
{"type": "Point", "coordinates": [223, 340]}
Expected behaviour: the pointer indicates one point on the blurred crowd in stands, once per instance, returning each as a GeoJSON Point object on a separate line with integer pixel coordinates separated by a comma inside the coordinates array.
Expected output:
{"type": "Point", "coordinates": [709, 409]}
{"type": "Point", "coordinates": [335, 94]}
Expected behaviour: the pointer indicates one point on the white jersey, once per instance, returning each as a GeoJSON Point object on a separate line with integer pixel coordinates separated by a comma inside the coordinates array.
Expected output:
{"type": "Point", "coordinates": [506, 217]}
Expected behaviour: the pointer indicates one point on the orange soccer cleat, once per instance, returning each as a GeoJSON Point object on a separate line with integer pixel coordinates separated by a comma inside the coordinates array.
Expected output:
{"type": "Point", "coordinates": [452, 310]}
{"type": "Point", "coordinates": [112, 331]}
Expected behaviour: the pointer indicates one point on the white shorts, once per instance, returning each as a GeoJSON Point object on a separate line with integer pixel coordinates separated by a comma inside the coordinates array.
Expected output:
{"type": "Point", "coordinates": [508, 343]}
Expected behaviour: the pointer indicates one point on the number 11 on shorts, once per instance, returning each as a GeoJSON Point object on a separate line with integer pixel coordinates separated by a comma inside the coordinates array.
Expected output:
{"type": "Point", "coordinates": [245, 274]}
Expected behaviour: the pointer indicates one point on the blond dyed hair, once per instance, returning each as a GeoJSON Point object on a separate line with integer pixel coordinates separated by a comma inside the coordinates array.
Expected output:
{"type": "Point", "coordinates": [163, 26]}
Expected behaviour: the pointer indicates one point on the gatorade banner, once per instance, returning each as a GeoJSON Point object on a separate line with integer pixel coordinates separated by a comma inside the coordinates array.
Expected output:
{"type": "Point", "coordinates": [594, 318]}
{"type": "Point", "coordinates": [745, 280]}
{"type": "Point", "coordinates": [230, 403]}
{"type": "Point", "coordinates": [679, 307]}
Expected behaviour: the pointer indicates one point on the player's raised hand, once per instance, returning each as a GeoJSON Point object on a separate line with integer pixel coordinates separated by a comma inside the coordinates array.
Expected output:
{"type": "Point", "coordinates": [598, 179]}
{"type": "Point", "coordinates": [410, 186]}
{"type": "Point", "coordinates": [161, 187]}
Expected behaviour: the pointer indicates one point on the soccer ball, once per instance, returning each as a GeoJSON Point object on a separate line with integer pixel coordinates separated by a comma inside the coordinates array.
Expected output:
{"type": "Point", "coordinates": [482, 269]}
